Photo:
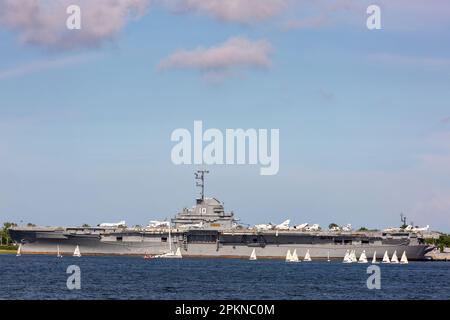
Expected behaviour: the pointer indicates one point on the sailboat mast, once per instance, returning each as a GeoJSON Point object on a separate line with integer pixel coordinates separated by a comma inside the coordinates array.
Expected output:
{"type": "Point", "coordinates": [170, 238]}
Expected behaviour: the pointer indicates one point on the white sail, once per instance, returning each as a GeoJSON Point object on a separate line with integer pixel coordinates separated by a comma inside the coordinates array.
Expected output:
{"type": "Point", "coordinates": [294, 257]}
{"type": "Point", "coordinates": [19, 250]}
{"type": "Point", "coordinates": [253, 255]}
{"type": "Point", "coordinates": [58, 252]}
{"type": "Point", "coordinates": [288, 256]}
{"type": "Point", "coordinates": [363, 257]}
{"type": "Point", "coordinates": [394, 258]}
{"type": "Point", "coordinates": [353, 256]}
{"type": "Point", "coordinates": [328, 256]}
{"type": "Point", "coordinates": [386, 258]}
{"type": "Point", "coordinates": [178, 253]}
{"type": "Point", "coordinates": [170, 254]}
{"type": "Point", "coordinates": [347, 257]}
{"type": "Point", "coordinates": [307, 256]}
{"type": "Point", "coordinates": [77, 252]}
{"type": "Point", "coordinates": [404, 259]}
{"type": "Point", "coordinates": [374, 259]}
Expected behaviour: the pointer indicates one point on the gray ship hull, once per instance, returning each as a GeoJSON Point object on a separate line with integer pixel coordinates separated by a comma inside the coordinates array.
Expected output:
{"type": "Point", "coordinates": [207, 230]}
{"type": "Point", "coordinates": [47, 242]}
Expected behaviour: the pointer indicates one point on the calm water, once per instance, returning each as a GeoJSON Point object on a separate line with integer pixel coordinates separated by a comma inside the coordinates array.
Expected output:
{"type": "Point", "coordinates": [44, 277]}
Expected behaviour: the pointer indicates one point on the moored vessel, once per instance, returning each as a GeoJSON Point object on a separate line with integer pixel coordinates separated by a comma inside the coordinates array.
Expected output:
{"type": "Point", "coordinates": [207, 230]}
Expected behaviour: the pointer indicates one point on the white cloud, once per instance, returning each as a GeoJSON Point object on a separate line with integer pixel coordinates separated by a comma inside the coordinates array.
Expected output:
{"type": "Point", "coordinates": [40, 65]}
{"type": "Point", "coordinates": [218, 61]}
{"type": "Point", "coordinates": [43, 22]}
{"type": "Point", "coordinates": [241, 11]}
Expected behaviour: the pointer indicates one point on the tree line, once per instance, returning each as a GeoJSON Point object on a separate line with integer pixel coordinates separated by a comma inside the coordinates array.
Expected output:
{"type": "Point", "coordinates": [5, 239]}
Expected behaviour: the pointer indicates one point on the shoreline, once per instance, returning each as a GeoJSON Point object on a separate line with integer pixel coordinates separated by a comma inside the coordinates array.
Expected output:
{"type": "Point", "coordinates": [2, 251]}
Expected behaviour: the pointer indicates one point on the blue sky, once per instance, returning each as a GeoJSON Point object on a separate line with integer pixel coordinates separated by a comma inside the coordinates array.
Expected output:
{"type": "Point", "coordinates": [363, 115]}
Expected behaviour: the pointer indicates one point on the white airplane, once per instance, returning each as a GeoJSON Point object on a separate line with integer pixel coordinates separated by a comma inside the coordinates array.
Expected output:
{"type": "Point", "coordinates": [347, 228]}
{"type": "Point", "coordinates": [158, 224]}
{"type": "Point", "coordinates": [392, 229]}
{"type": "Point", "coordinates": [314, 227]}
{"type": "Point", "coordinates": [421, 229]}
{"type": "Point", "coordinates": [408, 228]}
{"type": "Point", "coordinates": [193, 225]}
{"type": "Point", "coordinates": [284, 225]}
{"type": "Point", "coordinates": [301, 226]}
{"type": "Point", "coordinates": [118, 224]}
{"type": "Point", "coordinates": [268, 226]}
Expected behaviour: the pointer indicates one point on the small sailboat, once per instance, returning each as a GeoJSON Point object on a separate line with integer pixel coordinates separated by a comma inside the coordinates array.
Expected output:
{"type": "Point", "coordinates": [170, 254]}
{"type": "Point", "coordinates": [19, 251]}
{"type": "Point", "coordinates": [77, 252]}
{"type": "Point", "coordinates": [386, 258]}
{"type": "Point", "coordinates": [307, 256]}
{"type": "Point", "coordinates": [374, 259]}
{"type": "Point", "coordinates": [58, 254]}
{"type": "Point", "coordinates": [394, 258]}
{"type": "Point", "coordinates": [363, 257]}
{"type": "Point", "coordinates": [328, 256]}
{"type": "Point", "coordinates": [294, 257]}
{"type": "Point", "coordinates": [347, 258]}
{"type": "Point", "coordinates": [353, 256]}
{"type": "Point", "coordinates": [253, 255]}
{"type": "Point", "coordinates": [404, 259]}
{"type": "Point", "coordinates": [288, 256]}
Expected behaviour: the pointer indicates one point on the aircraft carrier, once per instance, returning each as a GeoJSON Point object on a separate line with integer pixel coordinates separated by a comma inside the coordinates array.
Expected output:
{"type": "Point", "coordinates": [206, 230]}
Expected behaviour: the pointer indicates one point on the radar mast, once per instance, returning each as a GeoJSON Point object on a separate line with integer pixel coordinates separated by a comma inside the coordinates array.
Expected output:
{"type": "Point", "coordinates": [403, 219]}
{"type": "Point", "coordinates": [200, 182]}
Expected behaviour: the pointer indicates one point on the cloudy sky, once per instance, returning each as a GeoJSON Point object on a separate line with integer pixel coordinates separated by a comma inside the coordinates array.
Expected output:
{"type": "Point", "coordinates": [364, 116]}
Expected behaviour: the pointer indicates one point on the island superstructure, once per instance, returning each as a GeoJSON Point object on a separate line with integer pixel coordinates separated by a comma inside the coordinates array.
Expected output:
{"type": "Point", "coordinates": [207, 230]}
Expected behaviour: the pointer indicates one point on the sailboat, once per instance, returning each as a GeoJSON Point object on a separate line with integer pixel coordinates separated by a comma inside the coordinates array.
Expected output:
{"type": "Point", "coordinates": [307, 256]}
{"type": "Point", "coordinates": [363, 257]}
{"type": "Point", "coordinates": [19, 250]}
{"type": "Point", "coordinates": [394, 258]}
{"type": "Point", "coordinates": [288, 256]}
{"type": "Point", "coordinates": [253, 255]}
{"type": "Point", "coordinates": [58, 255]}
{"type": "Point", "coordinates": [294, 257]}
{"type": "Point", "coordinates": [374, 259]}
{"type": "Point", "coordinates": [404, 259]}
{"type": "Point", "coordinates": [170, 254]}
{"type": "Point", "coordinates": [77, 252]}
{"type": "Point", "coordinates": [353, 256]}
{"type": "Point", "coordinates": [386, 258]}
{"type": "Point", "coordinates": [347, 258]}
{"type": "Point", "coordinates": [328, 256]}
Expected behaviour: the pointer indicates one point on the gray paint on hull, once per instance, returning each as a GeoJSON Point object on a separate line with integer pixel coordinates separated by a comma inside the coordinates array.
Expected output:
{"type": "Point", "coordinates": [90, 247]}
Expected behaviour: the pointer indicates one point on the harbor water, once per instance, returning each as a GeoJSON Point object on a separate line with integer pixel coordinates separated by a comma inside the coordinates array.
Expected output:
{"type": "Point", "coordinates": [45, 277]}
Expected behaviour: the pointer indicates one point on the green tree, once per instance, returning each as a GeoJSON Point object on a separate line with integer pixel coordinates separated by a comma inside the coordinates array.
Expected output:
{"type": "Point", "coordinates": [332, 225]}
{"type": "Point", "coordinates": [5, 238]}
{"type": "Point", "coordinates": [363, 229]}
{"type": "Point", "coordinates": [442, 242]}
{"type": "Point", "coordinates": [85, 225]}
